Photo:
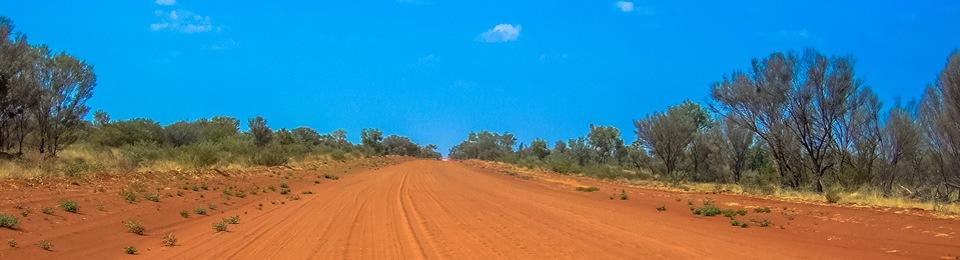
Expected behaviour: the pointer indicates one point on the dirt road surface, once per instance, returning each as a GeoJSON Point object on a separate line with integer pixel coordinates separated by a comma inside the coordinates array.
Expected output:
{"type": "Point", "coordinates": [449, 210]}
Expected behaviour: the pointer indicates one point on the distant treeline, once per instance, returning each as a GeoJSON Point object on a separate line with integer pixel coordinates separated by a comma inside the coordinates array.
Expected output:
{"type": "Point", "coordinates": [43, 103]}
{"type": "Point", "coordinates": [802, 121]}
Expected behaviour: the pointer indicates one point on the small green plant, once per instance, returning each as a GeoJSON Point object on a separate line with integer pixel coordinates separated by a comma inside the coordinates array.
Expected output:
{"type": "Point", "coordinates": [284, 185]}
{"type": "Point", "coordinates": [200, 211]}
{"type": "Point", "coordinates": [169, 240]}
{"type": "Point", "coordinates": [587, 189]}
{"type": "Point", "coordinates": [220, 226]}
{"type": "Point", "coordinates": [284, 191]}
{"type": "Point", "coordinates": [708, 210]}
{"type": "Point", "coordinates": [12, 243]}
{"type": "Point", "coordinates": [152, 197]}
{"type": "Point", "coordinates": [47, 210]}
{"type": "Point", "coordinates": [70, 206]}
{"type": "Point", "coordinates": [232, 220]}
{"type": "Point", "coordinates": [762, 210]}
{"type": "Point", "coordinates": [130, 250]}
{"type": "Point", "coordinates": [623, 195]}
{"type": "Point", "coordinates": [728, 213]}
{"type": "Point", "coordinates": [8, 221]}
{"type": "Point", "coordinates": [185, 214]}
{"type": "Point", "coordinates": [45, 245]}
{"type": "Point", "coordinates": [662, 208]}
{"type": "Point", "coordinates": [129, 195]}
{"type": "Point", "coordinates": [742, 212]}
{"type": "Point", "coordinates": [737, 223]}
{"type": "Point", "coordinates": [134, 227]}
{"type": "Point", "coordinates": [832, 195]}
{"type": "Point", "coordinates": [761, 223]}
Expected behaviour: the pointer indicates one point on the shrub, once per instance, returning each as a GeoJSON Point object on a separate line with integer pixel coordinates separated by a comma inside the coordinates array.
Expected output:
{"type": "Point", "coordinates": [200, 211]}
{"type": "Point", "coordinates": [729, 213]}
{"type": "Point", "coordinates": [307, 192]}
{"type": "Point", "coordinates": [284, 185]}
{"type": "Point", "coordinates": [284, 191]}
{"type": "Point", "coordinates": [662, 208]}
{"type": "Point", "coordinates": [11, 242]}
{"type": "Point", "coordinates": [232, 220]}
{"type": "Point", "coordinates": [47, 210]}
{"type": "Point", "coordinates": [273, 155]}
{"type": "Point", "coordinates": [832, 195]}
{"type": "Point", "coordinates": [70, 206]}
{"type": "Point", "coordinates": [707, 210]}
{"type": "Point", "coordinates": [8, 221]}
{"type": "Point", "coordinates": [134, 227]}
{"type": "Point", "coordinates": [200, 155]}
{"type": "Point", "coordinates": [129, 195]}
{"type": "Point", "coordinates": [170, 240]}
{"type": "Point", "coordinates": [762, 210]}
{"type": "Point", "coordinates": [742, 212]}
{"type": "Point", "coordinates": [587, 189]}
{"type": "Point", "coordinates": [220, 226]}
{"type": "Point", "coordinates": [185, 214]}
{"type": "Point", "coordinates": [331, 177]}
{"type": "Point", "coordinates": [762, 223]}
{"type": "Point", "coordinates": [130, 250]}
{"type": "Point", "coordinates": [623, 195]}
{"type": "Point", "coordinates": [152, 197]}
{"type": "Point", "coordinates": [737, 223]}
{"type": "Point", "coordinates": [45, 245]}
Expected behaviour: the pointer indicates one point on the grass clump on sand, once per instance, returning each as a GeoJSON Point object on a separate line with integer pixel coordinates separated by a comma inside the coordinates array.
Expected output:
{"type": "Point", "coordinates": [220, 226]}
{"type": "Point", "coordinates": [70, 206]}
{"type": "Point", "coordinates": [8, 221]}
{"type": "Point", "coordinates": [708, 210]}
{"type": "Point", "coordinates": [587, 189]}
{"type": "Point", "coordinates": [134, 227]}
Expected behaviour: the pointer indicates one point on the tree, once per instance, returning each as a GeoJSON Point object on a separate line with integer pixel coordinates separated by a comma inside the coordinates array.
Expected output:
{"type": "Point", "coordinates": [667, 135]}
{"type": "Point", "coordinates": [306, 135]}
{"type": "Point", "coordinates": [940, 118]}
{"type": "Point", "coordinates": [485, 145]}
{"type": "Point", "coordinates": [606, 143]}
{"type": "Point", "coordinates": [371, 139]}
{"type": "Point", "coordinates": [737, 141]}
{"type": "Point", "coordinates": [759, 101]}
{"type": "Point", "coordinates": [64, 98]}
{"type": "Point", "coordinates": [262, 134]}
{"type": "Point", "coordinates": [901, 141]}
{"type": "Point", "coordinates": [538, 149]}
{"type": "Point", "coordinates": [580, 149]}
{"type": "Point", "coordinates": [399, 145]}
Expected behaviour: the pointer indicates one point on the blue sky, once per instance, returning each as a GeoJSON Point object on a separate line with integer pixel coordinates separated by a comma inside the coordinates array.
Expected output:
{"type": "Point", "coordinates": [434, 70]}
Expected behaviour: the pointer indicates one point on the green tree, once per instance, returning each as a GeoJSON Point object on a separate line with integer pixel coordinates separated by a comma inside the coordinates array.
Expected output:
{"type": "Point", "coordinates": [262, 134]}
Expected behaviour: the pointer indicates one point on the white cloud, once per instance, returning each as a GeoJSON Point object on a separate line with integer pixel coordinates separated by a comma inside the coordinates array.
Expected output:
{"type": "Point", "coordinates": [625, 6]}
{"type": "Point", "coordinates": [501, 33]}
{"type": "Point", "coordinates": [182, 21]}
{"type": "Point", "coordinates": [166, 2]}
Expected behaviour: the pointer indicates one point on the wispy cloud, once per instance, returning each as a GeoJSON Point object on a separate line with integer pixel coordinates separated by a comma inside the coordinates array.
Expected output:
{"type": "Point", "coordinates": [625, 6]}
{"type": "Point", "coordinates": [501, 33]}
{"type": "Point", "coordinates": [166, 2]}
{"type": "Point", "coordinates": [181, 21]}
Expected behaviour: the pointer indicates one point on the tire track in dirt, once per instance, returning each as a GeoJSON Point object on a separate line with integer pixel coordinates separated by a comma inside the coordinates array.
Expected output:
{"type": "Point", "coordinates": [447, 210]}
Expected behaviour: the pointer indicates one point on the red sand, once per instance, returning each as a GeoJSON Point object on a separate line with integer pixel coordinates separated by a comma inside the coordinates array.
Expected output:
{"type": "Point", "coordinates": [451, 210]}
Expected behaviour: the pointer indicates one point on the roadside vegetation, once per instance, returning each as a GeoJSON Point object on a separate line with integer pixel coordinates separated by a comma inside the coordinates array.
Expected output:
{"type": "Point", "coordinates": [44, 129]}
{"type": "Point", "coordinates": [795, 125]}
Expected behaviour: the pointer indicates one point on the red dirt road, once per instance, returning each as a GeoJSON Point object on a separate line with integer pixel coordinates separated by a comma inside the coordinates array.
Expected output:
{"type": "Point", "coordinates": [449, 210]}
